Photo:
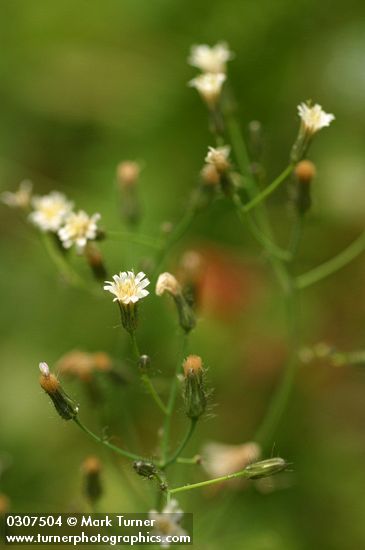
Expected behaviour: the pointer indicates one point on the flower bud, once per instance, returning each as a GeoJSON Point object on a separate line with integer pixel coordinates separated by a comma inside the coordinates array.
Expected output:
{"type": "Point", "coordinates": [210, 175]}
{"type": "Point", "coordinates": [95, 261]}
{"type": "Point", "coordinates": [266, 468]}
{"type": "Point", "coordinates": [144, 468]}
{"type": "Point", "coordinates": [128, 173]}
{"type": "Point", "coordinates": [4, 505]}
{"type": "Point", "coordinates": [194, 388]}
{"type": "Point", "coordinates": [64, 405]}
{"type": "Point", "coordinates": [91, 469]}
{"type": "Point", "coordinates": [166, 282]}
{"type": "Point", "coordinates": [144, 363]}
{"type": "Point", "coordinates": [304, 172]}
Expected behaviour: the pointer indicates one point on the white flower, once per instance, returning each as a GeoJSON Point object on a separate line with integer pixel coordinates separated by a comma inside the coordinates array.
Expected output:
{"type": "Point", "coordinates": [167, 522]}
{"type": "Point", "coordinates": [50, 211]}
{"type": "Point", "coordinates": [79, 228]}
{"type": "Point", "coordinates": [20, 198]}
{"type": "Point", "coordinates": [210, 59]}
{"type": "Point", "coordinates": [219, 157]}
{"type": "Point", "coordinates": [166, 282]}
{"type": "Point", "coordinates": [313, 117]}
{"type": "Point", "coordinates": [209, 85]}
{"type": "Point", "coordinates": [220, 459]}
{"type": "Point", "coordinates": [128, 287]}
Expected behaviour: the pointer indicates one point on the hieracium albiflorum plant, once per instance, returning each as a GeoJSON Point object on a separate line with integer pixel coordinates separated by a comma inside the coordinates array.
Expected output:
{"type": "Point", "coordinates": [228, 173]}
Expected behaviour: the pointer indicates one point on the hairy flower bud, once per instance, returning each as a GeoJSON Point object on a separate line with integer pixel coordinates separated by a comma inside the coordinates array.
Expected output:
{"type": "Point", "coordinates": [304, 172]}
{"type": "Point", "coordinates": [91, 469]}
{"type": "Point", "coordinates": [64, 405]}
{"type": "Point", "coordinates": [266, 468]}
{"type": "Point", "coordinates": [194, 388]}
{"type": "Point", "coordinates": [95, 261]}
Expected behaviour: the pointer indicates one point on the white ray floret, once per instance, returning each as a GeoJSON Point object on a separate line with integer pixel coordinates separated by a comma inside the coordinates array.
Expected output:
{"type": "Point", "coordinates": [313, 117]}
{"type": "Point", "coordinates": [210, 59]}
{"type": "Point", "coordinates": [19, 198]}
{"type": "Point", "coordinates": [50, 211]}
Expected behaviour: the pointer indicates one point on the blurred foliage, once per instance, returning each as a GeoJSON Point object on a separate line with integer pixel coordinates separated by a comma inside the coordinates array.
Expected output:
{"type": "Point", "coordinates": [84, 85]}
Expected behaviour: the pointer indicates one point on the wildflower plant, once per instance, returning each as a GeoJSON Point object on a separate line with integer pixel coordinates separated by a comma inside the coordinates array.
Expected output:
{"type": "Point", "coordinates": [227, 174]}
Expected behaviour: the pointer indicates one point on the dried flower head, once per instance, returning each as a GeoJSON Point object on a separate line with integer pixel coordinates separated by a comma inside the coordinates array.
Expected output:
{"type": "Point", "coordinates": [210, 59]}
{"type": "Point", "coordinates": [50, 211]}
{"type": "Point", "coordinates": [195, 395]}
{"type": "Point", "coordinates": [209, 86]}
{"type": "Point", "coordinates": [79, 228]}
{"type": "Point", "coordinates": [128, 287]}
{"type": "Point", "coordinates": [20, 198]}
{"type": "Point", "coordinates": [220, 459]}
{"type": "Point", "coordinates": [82, 365]}
{"type": "Point", "coordinates": [91, 469]}
{"type": "Point", "coordinates": [166, 282]}
{"type": "Point", "coordinates": [219, 158]}
{"type": "Point", "coordinates": [128, 173]}
{"type": "Point", "coordinates": [313, 117]}
{"type": "Point", "coordinates": [167, 522]}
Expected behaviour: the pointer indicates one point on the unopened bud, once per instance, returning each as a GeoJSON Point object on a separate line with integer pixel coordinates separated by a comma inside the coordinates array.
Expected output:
{"type": "Point", "coordinates": [95, 261]}
{"type": "Point", "coordinates": [194, 388]}
{"type": "Point", "coordinates": [144, 363]}
{"type": "Point", "coordinates": [210, 175]}
{"type": "Point", "coordinates": [4, 505]}
{"type": "Point", "coordinates": [92, 480]}
{"type": "Point", "coordinates": [145, 468]}
{"type": "Point", "coordinates": [305, 171]}
{"type": "Point", "coordinates": [128, 173]}
{"type": "Point", "coordinates": [64, 405]}
{"type": "Point", "coordinates": [266, 468]}
{"type": "Point", "coordinates": [166, 282]}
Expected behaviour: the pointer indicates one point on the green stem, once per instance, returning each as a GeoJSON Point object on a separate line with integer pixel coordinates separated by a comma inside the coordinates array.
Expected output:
{"type": "Point", "coordinates": [269, 189]}
{"type": "Point", "coordinates": [145, 379]}
{"type": "Point", "coordinates": [62, 265]}
{"type": "Point", "coordinates": [331, 266]}
{"type": "Point", "coordinates": [172, 399]}
{"type": "Point", "coordinates": [182, 445]}
{"type": "Point", "coordinates": [106, 443]}
{"type": "Point", "coordinates": [267, 244]}
{"type": "Point", "coordinates": [242, 473]}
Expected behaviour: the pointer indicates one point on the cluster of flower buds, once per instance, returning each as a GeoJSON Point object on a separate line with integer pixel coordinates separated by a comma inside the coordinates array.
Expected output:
{"type": "Point", "coordinates": [166, 282]}
{"type": "Point", "coordinates": [313, 119]}
{"type": "Point", "coordinates": [64, 405]}
{"type": "Point", "coordinates": [91, 470]}
{"type": "Point", "coordinates": [195, 395]}
{"type": "Point", "coordinates": [127, 178]}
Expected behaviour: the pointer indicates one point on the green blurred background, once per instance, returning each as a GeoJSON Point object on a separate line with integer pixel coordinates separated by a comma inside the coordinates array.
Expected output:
{"type": "Point", "coordinates": [84, 85]}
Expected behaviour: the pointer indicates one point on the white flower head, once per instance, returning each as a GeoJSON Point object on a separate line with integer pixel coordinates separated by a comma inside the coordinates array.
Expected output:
{"type": "Point", "coordinates": [220, 459]}
{"type": "Point", "coordinates": [50, 211]}
{"type": "Point", "coordinates": [166, 282]}
{"type": "Point", "coordinates": [128, 287]}
{"type": "Point", "coordinates": [209, 85]}
{"type": "Point", "coordinates": [44, 368]}
{"type": "Point", "coordinates": [167, 522]}
{"type": "Point", "coordinates": [314, 117]}
{"type": "Point", "coordinates": [79, 228]}
{"type": "Point", "coordinates": [20, 198]}
{"type": "Point", "coordinates": [210, 59]}
{"type": "Point", "coordinates": [219, 158]}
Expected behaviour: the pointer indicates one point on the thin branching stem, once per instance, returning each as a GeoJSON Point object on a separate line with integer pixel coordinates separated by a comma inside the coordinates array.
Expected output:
{"type": "Point", "coordinates": [105, 442]}
{"type": "Point", "coordinates": [333, 265]}
{"type": "Point", "coordinates": [182, 445]}
{"type": "Point", "coordinates": [269, 189]}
